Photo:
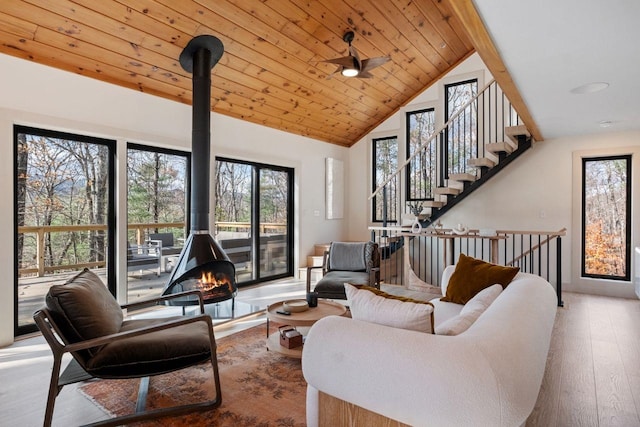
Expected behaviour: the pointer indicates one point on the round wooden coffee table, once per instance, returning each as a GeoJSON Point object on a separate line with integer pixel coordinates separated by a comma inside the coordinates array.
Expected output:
{"type": "Point", "coordinates": [302, 321]}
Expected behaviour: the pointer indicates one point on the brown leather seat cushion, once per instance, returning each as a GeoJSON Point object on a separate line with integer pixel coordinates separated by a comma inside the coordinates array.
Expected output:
{"type": "Point", "coordinates": [153, 353]}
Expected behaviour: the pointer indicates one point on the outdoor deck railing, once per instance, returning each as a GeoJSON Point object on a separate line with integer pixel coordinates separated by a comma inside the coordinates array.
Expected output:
{"type": "Point", "coordinates": [139, 232]}
{"type": "Point", "coordinates": [428, 252]}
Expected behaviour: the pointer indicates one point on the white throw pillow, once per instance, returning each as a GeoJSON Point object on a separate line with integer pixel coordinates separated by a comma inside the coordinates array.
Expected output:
{"type": "Point", "coordinates": [470, 312]}
{"type": "Point", "coordinates": [367, 306]}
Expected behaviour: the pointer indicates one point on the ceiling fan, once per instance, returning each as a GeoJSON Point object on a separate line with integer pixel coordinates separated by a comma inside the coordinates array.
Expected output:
{"type": "Point", "coordinates": [352, 65]}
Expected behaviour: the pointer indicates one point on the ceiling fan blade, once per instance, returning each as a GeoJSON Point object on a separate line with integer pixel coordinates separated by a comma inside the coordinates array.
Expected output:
{"type": "Point", "coordinates": [337, 70]}
{"type": "Point", "coordinates": [352, 65]}
{"type": "Point", "coordinates": [364, 75]}
{"type": "Point", "coordinates": [371, 63]}
{"type": "Point", "coordinates": [345, 61]}
{"type": "Point", "coordinates": [355, 56]}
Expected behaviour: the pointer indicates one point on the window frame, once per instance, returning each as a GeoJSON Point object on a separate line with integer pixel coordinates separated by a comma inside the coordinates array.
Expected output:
{"type": "Point", "coordinates": [187, 188]}
{"type": "Point", "coordinates": [255, 215]}
{"type": "Point", "coordinates": [110, 259]}
{"type": "Point", "coordinates": [449, 167]}
{"type": "Point", "coordinates": [628, 217]}
{"type": "Point", "coordinates": [374, 184]}
{"type": "Point", "coordinates": [408, 170]}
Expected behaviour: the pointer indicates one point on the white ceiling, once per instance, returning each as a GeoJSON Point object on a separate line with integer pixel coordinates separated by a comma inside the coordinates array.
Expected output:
{"type": "Point", "coordinates": [553, 46]}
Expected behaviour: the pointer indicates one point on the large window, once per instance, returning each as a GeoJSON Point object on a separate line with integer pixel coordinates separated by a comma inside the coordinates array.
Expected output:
{"type": "Point", "coordinates": [157, 206]}
{"type": "Point", "coordinates": [385, 163]}
{"type": "Point", "coordinates": [65, 220]}
{"type": "Point", "coordinates": [606, 213]}
{"type": "Point", "coordinates": [254, 218]}
{"type": "Point", "coordinates": [462, 132]}
{"type": "Point", "coordinates": [421, 171]}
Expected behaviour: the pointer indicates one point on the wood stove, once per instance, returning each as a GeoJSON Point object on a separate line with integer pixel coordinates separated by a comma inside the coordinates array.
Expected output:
{"type": "Point", "coordinates": [203, 264]}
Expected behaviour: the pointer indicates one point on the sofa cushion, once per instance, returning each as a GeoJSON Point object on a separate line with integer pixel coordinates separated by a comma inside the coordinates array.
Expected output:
{"type": "Point", "coordinates": [443, 311]}
{"type": "Point", "coordinates": [473, 275]}
{"type": "Point", "coordinates": [373, 305]}
{"type": "Point", "coordinates": [332, 284]}
{"type": "Point", "coordinates": [470, 312]}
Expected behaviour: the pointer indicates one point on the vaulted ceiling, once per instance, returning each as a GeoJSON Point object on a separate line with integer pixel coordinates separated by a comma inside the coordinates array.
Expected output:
{"type": "Point", "coordinates": [272, 71]}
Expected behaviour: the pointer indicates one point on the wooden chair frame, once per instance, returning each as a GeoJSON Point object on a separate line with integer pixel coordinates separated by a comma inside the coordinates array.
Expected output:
{"type": "Point", "coordinates": [74, 373]}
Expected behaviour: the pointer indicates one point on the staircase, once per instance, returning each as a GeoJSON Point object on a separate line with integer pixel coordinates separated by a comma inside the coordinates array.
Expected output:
{"type": "Point", "coordinates": [314, 260]}
{"type": "Point", "coordinates": [483, 136]}
{"type": "Point", "coordinates": [460, 185]}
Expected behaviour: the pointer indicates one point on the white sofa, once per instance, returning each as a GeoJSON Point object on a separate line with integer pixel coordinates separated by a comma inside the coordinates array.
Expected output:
{"type": "Point", "coordinates": [489, 375]}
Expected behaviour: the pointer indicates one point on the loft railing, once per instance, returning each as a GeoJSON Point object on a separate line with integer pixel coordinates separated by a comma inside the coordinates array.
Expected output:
{"type": "Point", "coordinates": [447, 151]}
{"type": "Point", "coordinates": [427, 253]}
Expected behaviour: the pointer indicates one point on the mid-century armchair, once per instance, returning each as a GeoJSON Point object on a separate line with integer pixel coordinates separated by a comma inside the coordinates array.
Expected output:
{"type": "Point", "coordinates": [357, 263]}
{"type": "Point", "coordinates": [81, 317]}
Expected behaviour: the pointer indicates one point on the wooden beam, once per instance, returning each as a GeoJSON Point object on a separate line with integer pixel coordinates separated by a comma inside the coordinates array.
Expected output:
{"type": "Point", "coordinates": [468, 15]}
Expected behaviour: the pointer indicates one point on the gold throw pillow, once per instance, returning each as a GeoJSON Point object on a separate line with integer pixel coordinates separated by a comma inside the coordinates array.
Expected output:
{"type": "Point", "coordinates": [473, 275]}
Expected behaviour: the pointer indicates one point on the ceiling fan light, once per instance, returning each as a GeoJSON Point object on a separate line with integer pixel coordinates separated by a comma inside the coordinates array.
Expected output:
{"type": "Point", "coordinates": [350, 72]}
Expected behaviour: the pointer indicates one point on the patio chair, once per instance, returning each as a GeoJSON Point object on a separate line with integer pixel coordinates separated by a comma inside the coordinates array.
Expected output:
{"type": "Point", "coordinates": [166, 247]}
{"type": "Point", "coordinates": [356, 263]}
{"type": "Point", "coordinates": [81, 317]}
{"type": "Point", "coordinates": [144, 257]}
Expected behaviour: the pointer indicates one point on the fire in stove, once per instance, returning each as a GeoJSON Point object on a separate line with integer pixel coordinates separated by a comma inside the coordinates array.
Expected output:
{"type": "Point", "coordinates": [209, 281]}
{"type": "Point", "coordinates": [215, 279]}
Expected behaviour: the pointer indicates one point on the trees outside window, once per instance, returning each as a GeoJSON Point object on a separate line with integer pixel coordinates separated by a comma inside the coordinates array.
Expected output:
{"type": "Point", "coordinates": [385, 163]}
{"type": "Point", "coordinates": [462, 132]}
{"type": "Point", "coordinates": [64, 212]}
{"type": "Point", "coordinates": [421, 171]}
{"type": "Point", "coordinates": [254, 218]}
{"type": "Point", "coordinates": [157, 186]}
{"type": "Point", "coordinates": [157, 202]}
{"type": "Point", "coordinates": [606, 211]}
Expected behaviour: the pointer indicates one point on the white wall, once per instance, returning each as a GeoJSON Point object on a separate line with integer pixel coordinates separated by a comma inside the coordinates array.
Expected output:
{"type": "Point", "coordinates": [40, 96]}
{"type": "Point", "coordinates": [536, 192]}
{"type": "Point", "coordinates": [360, 154]}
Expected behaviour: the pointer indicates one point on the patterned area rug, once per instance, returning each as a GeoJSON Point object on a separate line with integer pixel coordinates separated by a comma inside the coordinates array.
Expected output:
{"type": "Point", "coordinates": [259, 388]}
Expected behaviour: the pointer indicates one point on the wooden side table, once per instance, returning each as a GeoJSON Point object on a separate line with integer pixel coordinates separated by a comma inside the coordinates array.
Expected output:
{"type": "Point", "coordinates": [304, 319]}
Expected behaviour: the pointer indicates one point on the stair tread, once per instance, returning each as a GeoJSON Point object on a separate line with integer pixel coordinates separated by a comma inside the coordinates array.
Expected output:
{"type": "Point", "coordinates": [514, 131]}
{"type": "Point", "coordinates": [497, 147]}
{"type": "Point", "coordinates": [447, 190]}
{"type": "Point", "coordinates": [320, 248]}
{"type": "Point", "coordinates": [481, 162]}
{"type": "Point", "coordinates": [462, 177]}
{"type": "Point", "coordinates": [517, 130]}
{"type": "Point", "coordinates": [314, 260]}
{"type": "Point", "coordinates": [433, 204]}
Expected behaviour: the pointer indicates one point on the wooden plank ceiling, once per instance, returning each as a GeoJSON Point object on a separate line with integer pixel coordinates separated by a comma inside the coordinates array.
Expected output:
{"type": "Point", "coordinates": [271, 72]}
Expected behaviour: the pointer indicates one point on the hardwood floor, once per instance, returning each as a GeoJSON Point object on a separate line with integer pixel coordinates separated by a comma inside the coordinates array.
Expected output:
{"type": "Point", "coordinates": [592, 376]}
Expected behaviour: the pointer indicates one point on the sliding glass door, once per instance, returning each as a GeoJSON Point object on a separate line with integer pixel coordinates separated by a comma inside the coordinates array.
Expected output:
{"type": "Point", "coordinates": [64, 204]}
{"type": "Point", "coordinates": [253, 216]}
{"type": "Point", "coordinates": [157, 206]}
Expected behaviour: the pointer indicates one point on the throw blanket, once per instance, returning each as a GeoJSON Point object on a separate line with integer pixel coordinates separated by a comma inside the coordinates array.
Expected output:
{"type": "Point", "coordinates": [349, 256]}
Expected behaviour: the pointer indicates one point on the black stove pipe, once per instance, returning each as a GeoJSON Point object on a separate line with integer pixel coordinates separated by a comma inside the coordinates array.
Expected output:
{"type": "Point", "coordinates": [199, 57]}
